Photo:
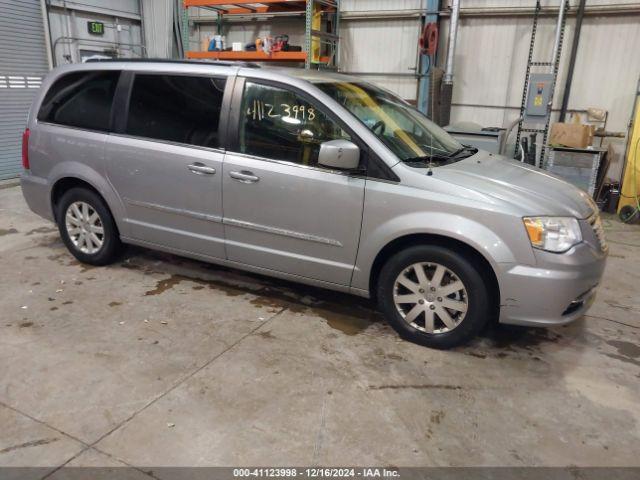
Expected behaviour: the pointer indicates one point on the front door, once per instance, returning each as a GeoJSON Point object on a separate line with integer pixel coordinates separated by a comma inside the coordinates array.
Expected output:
{"type": "Point", "coordinates": [166, 164]}
{"type": "Point", "coordinates": [282, 211]}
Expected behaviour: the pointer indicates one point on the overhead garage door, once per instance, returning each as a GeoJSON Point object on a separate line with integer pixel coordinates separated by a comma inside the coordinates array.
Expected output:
{"type": "Point", "coordinates": [23, 63]}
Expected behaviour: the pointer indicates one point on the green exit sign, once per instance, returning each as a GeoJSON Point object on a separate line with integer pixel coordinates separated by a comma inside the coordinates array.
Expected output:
{"type": "Point", "coordinates": [95, 28]}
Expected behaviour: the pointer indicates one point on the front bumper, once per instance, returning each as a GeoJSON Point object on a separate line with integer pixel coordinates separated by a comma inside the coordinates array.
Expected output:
{"type": "Point", "coordinates": [559, 289]}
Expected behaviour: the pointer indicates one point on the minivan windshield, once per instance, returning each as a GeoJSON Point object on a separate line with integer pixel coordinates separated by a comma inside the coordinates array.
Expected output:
{"type": "Point", "coordinates": [408, 133]}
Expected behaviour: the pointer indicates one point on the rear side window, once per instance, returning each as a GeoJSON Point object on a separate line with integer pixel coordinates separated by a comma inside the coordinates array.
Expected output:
{"type": "Point", "coordinates": [176, 108]}
{"type": "Point", "coordinates": [81, 99]}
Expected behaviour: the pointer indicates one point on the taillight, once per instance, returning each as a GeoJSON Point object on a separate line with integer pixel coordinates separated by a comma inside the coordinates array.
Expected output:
{"type": "Point", "coordinates": [25, 149]}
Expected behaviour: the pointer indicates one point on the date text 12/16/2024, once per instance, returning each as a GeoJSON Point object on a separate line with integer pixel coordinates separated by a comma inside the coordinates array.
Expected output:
{"type": "Point", "coordinates": [316, 472]}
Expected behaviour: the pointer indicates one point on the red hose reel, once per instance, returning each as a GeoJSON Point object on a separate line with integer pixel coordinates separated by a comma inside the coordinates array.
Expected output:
{"type": "Point", "coordinates": [429, 39]}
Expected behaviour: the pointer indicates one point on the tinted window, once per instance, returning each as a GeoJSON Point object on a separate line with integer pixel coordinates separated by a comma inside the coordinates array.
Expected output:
{"type": "Point", "coordinates": [176, 108]}
{"type": "Point", "coordinates": [81, 99]}
{"type": "Point", "coordinates": [279, 124]}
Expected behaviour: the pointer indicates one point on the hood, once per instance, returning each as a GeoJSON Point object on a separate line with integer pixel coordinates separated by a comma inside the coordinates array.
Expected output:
{"type": "Point", "coordinates": [535, 191]}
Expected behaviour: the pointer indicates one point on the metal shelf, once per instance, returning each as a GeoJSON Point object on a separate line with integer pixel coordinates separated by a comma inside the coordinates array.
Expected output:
{"type": "Point", "coordinates": [225, 7]}
{"type": "Point", "coordinates": [315, 40]}
{"type": "Point", "coordinates": [254, 56]}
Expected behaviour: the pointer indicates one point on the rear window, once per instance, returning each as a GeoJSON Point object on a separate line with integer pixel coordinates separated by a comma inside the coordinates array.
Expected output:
{"type": "Point", "coordinates": [176, 108]}
{"type": "Point", "coordinates": [81, 99]}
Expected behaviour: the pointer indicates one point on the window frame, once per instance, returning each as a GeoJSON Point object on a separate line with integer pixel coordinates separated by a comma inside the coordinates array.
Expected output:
{"type": "Point", "coordinates": [122, 101]}
{"type": "Point", "coordinates": [110, 126]}
{"type": "Point", "coordinates": [371, 166]}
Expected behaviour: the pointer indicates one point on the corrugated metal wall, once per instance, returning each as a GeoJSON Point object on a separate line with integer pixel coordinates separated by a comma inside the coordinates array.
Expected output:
{"type": "Point", "coordinates": [23, 63]}
{"type": "Point", "coordinates": [384, 45]}
{"type": "Point", "coordinates": [491, 58]}
{"type": "Point", "coordinates": [531, 3]}
{"type": "Point", "coordinates": [158, 26]}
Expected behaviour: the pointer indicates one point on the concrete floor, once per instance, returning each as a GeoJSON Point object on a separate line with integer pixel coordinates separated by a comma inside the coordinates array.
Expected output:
{"type": "Point", "coordinates": [158, 360]}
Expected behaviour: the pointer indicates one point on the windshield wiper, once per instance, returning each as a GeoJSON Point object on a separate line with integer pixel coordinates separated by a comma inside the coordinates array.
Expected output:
{"type": "Point", "coordinates": [439, 159]}
{"type": "Point", "coordinates": [424, 160]}
{"type": "Point", "coordinates": [465, 148]}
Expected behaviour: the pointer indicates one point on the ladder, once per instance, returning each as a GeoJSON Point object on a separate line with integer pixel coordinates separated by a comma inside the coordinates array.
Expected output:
{"type": "Point", "coordinates": [530, 123]}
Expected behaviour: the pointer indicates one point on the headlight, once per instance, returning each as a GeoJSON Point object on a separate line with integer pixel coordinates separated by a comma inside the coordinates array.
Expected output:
{"type": "Point", "coordinates": [553, 234]}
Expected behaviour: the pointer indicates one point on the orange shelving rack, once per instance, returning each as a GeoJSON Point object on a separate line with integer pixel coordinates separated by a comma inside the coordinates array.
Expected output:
{"type": "Point", "coordinates": [321, 41]}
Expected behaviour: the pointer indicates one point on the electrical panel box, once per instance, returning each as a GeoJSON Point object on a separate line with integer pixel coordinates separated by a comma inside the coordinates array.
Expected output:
{"type": "Point", "coordinates": [537, 107]}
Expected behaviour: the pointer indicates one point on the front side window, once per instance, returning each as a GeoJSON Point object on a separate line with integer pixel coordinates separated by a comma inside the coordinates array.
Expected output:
{"type": "Point", "coordinates": [81, 99]}
{"type": "Point", "coordinates": [408, 133]}
{"type": "Point", "coordinates": [176, 108]}
{"type": "Point", "coordinates": [279, 124]}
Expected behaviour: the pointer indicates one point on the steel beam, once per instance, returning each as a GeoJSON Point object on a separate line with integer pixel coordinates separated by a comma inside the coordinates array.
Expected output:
{"type": "Point", "coordinates": [492, 12]}
{"type": "Point", "coordinates": [426, 61]}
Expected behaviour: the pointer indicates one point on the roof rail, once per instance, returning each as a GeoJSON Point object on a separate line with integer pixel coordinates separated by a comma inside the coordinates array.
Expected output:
{"type": "Point", "coordinates": [169, 60]}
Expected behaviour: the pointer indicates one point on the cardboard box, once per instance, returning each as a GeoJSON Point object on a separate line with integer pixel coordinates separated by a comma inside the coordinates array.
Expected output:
{"type": "Point", "coordinates": [574, 135]}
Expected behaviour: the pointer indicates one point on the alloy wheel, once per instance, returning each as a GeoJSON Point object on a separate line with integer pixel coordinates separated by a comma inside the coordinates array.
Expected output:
{"type": "Point", "coordinates": [84, 227]}
{"type": "Point", "coordinates": [430, 297]}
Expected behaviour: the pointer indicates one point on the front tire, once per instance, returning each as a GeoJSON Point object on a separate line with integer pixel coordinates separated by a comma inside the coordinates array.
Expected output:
{"type": "Point", "coordinates": [87, 227]}
{"type": "Point", "coordinates": [434, 296]}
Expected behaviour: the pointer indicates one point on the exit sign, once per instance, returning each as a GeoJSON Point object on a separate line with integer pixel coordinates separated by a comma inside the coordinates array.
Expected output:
{"type": "Point", "coordinates": [95, 28]}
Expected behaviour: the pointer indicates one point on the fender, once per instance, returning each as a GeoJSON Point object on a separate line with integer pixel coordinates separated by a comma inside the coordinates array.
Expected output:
{"type": "Point", "coordinates": [470, 232]}
{"type": "Point", "coordinates": [86, 173]}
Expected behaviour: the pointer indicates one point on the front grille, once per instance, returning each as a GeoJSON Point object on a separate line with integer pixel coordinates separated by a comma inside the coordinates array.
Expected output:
{"type": "Point", "coordinates": [598, 229]}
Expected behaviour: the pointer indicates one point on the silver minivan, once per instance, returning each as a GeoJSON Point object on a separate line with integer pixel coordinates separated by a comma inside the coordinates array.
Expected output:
{"type": "Point", "coordinates": [314, 177]}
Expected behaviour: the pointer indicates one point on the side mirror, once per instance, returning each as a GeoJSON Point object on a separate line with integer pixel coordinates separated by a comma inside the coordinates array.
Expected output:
{"type": "Point", "coordinates": [341, 154]}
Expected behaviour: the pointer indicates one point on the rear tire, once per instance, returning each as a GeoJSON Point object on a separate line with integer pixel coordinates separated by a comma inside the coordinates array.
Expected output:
{"type": "Point", "coordinates": [87, 227]}
{"type": "Point", "coordinates": [434, 296]}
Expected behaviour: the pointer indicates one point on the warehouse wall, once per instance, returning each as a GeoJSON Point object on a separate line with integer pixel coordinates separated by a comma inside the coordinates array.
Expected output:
{"type": "Point", "coordinates": [71, 40]}
{"type": "Point", "coordinates": [491, 59]}
{"type": "Point", "coordinates": [363, 39]}
{"type": "Point", "coordinates": [158, 27]}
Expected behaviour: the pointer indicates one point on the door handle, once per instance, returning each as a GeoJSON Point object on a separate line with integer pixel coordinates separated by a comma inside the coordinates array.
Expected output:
{"type": "Point", "coordinates": [244, 176]}
{"type": "Point", "coordinates": [201, 169]}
